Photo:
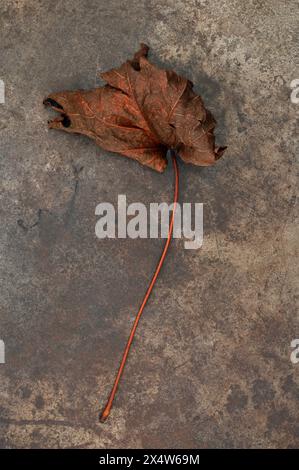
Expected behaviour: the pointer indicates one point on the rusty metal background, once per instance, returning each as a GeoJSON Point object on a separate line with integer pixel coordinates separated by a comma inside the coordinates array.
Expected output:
{"type": "Point", "coordinates": [211, 363]}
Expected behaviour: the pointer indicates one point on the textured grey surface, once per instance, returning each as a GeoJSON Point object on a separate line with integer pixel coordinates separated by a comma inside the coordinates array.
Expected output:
{"type": "Point", "coordinates": [211, 363]}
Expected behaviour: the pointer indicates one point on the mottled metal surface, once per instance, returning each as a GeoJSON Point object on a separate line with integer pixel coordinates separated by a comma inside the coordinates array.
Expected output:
{"type": "Point", "coordinates": [211, 363]}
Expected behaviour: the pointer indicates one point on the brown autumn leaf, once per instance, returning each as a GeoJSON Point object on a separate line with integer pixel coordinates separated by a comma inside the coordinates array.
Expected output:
{"type": "Point", "coordinates": [141, 112]}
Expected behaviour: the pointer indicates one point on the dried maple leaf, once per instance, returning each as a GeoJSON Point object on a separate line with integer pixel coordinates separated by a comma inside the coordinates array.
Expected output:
{"type": "Point", "coordinates": [141, 113]}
